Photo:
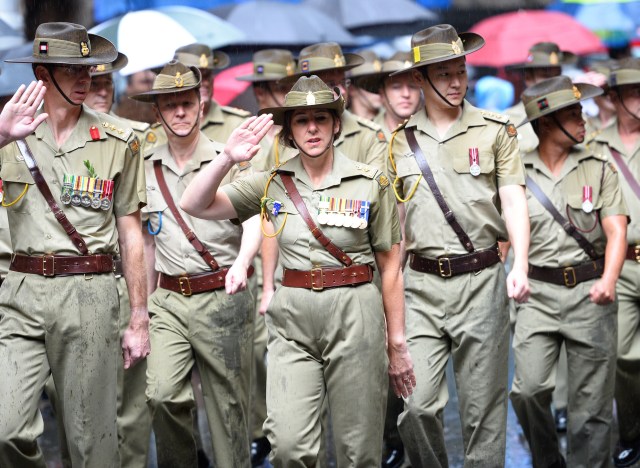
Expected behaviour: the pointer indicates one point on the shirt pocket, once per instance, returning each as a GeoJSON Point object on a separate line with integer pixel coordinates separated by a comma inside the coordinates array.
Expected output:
{"type": "Point", "coordinates": [16, 182]}
{"type": "Point", "coordinates": [534, 206]}
{"type": "Point", "coordinates": [295, 230]}
{"type": "Point", "coordinates": [155, 210]}
{"type": "Point", "coordinates": [480, 187]}
{"type": "Point", "coordinates": [578, 217]}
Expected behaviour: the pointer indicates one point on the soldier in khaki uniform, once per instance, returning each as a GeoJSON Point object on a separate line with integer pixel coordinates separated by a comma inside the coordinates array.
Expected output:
{"type": "Point", "coordinates": [59, 309]}
{"type": "Point", "coordinates": [621, 142]}
{"type": "Point", "coordinates": [572, 281]}
{"type": "Point", "coordinates": [360, 139]}
{"type": "Point", "coordinates": [326, 341]}
{"type": "Point", "coordinates": [200, 312]}
{"type": "Point", "coordinates": [400, 95]}
{"type": "Point", "coordinates": [269, 67]}
{"type": "Point", "coordinates": [455, 289]}
{"type": "Point", "coordinates": [362, 102]}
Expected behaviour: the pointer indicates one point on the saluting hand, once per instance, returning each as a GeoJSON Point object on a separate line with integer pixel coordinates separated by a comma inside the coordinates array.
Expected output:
{"type": "Point", "coordinates": [242, 144]}
{"type": "Point", "coordinates": [17, 118]}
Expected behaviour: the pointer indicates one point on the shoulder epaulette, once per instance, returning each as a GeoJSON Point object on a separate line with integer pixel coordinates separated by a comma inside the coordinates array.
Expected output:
{"type": "Point", "coordinates": [370, 124]}
{"type": "Point", "coordinates": [277, 168]}
{"type": "Point", "coordinates": [494, 116]}
{"type": "Point", "coordinates": [116, 127]}
{"type": "Point", "coordinates": [139, 126]}
{"type": "Point", "coordinates": [601, 157]}
{"type": "Point", "coordinates": [235, 111]}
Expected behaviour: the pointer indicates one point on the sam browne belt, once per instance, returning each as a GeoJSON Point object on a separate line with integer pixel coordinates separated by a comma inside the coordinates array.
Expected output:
{"type": "Point", "coordinates": [324, 278]}
{"type": "Point", "coordinates": [188, 285]}
{"type": "Point", "coordinates": [447, 267]}
{"type": "Point", "coordinates": [633, 253]}
{"type": "Point", "coordinates": [56, 265]}
{"type": "Point", "coordinates": [568, 276]}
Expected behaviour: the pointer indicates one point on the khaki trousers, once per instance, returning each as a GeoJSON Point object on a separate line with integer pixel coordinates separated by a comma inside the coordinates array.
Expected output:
{"type": "Point", "coordinates": [464, 317]}
{"type": "Point", "coordinates": [214, 331]}
{"type": "Point", "coordinates": [66, 327]}
{"type": "Point", "coordinates": [326, 344]}
{"type": "Point", "coordinates": [627, 391]}
{"type": "Point", "coordinates": [556, 314]}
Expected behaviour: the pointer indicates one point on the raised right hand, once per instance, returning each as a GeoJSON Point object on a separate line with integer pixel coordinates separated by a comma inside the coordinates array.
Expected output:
{"type": "Point", "coordinates": [17, 117]}
{"type": "Point", "coordinates": [242, 144]}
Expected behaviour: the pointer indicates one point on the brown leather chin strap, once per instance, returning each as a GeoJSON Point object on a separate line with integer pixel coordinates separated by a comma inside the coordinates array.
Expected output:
{"type": "Point", "coordinates": [564, 130]}
{"type": "Point", "coordinates": [55, 83]}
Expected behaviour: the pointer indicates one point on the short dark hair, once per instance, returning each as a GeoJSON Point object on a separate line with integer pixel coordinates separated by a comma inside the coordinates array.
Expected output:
{"type": "Point", "coordinates": [286, 135]}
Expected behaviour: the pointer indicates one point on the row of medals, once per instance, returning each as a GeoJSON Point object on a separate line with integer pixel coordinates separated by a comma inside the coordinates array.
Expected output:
{"type": "Point", "coordinates": [354, 213]}
{"type": "Point", "coordinates": [85, 198]}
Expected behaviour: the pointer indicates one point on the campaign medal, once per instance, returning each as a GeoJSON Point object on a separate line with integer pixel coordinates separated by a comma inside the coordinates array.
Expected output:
{"type": "Point", "coordinates": [67, 184]}
{"type": "Point", "coordinates": [323, 207]}
{"type": "Point", "coordinates": [85, 199]}
{"type": "Point", "coordinates": [474, 162]}
{"type": "Point", "coordinates": [75, 196]}
{"type": "Point", "coordinates": [339, 221]}
{"type": "Point", "coordinates": [97, 191]}
{"type": "Point", "coordinates": [587, 199]}
{"type": "Point", "coordinates": [364, 214]}
{"type": "Point", "coordinates": [107, 194]}
{"type": "Point", "coordinates": [331, 216]}
{"type": "Point", "coordinates": [355, 210]}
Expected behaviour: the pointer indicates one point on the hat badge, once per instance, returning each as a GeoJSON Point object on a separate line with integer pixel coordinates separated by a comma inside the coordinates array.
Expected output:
{"type": "Point", "coordinates": [311, 99]}
{"type": "Point", "coordinates": [204, 61]}
{"type": "Point", "coordinates": [179, 80]}
{"type": "Point", "coordinates": [456, 48]}
{"type": "Point", "coordinates": [576, 93]}
{"type": "Point", "coordinates": [553, 58]}
{"type": "Point", "coordinates": [84, 49]}
{"type": "Point", "coordinates": [338, 60]}
{"type": "Point", "coordinates": [100, 68]}
{"type": "Point", "coordinates": [289, 68]}
{"type": "Point", "coordinates": [377, 66]}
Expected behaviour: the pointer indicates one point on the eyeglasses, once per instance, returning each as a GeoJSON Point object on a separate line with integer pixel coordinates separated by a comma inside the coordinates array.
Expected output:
{"type": "Point", "coordinates": [75, 70]}
{"type": "Point", "coordinates": [340, 83]}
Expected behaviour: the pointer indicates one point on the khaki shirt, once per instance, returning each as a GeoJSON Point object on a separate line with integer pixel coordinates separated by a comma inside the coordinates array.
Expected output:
{"type": "Point", "coordinates": [473, 200]}
{"type": "Point", "coordinates": [175, 255]}
{"type": "Point", "coordinates": [115, 155]}
{"type": "Point", "coordinates": [379, 119]}
{"type": "Point", "coordinates": [609, 137]}
{"type": "Point", "coordinates": [527, 138]}
{"type": "Point", "coordinates": [153, 137]}
{"type": "Point", "coordinates": [360, 140]}
{"type": "Point", "coordinates": [220, 121]}
{"type": "Point", "coordinates": [348, 179]}
{"type": "Point", "coordinates": [550, 245]}
{"type": "Point", "coordinates": [5, 243]}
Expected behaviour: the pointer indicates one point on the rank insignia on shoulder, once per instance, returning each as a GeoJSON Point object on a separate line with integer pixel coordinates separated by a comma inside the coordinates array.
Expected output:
{"type": "Point", "coordinates": [134, 146]}
{"type": "Point", "coordinates": [151, 137]}
{"type": "Point", "coordinates": [242, 165]}
{"type": "Point", "coordinates": [381, 137]}
{"type": "Point", "coordinates": [383, 180]}
{"type": "Point", "coordinates": [511, 130]}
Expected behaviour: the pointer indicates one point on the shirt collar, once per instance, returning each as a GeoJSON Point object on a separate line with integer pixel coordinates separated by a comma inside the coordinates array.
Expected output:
{"type": "Point", "coordinates": [342, 168]}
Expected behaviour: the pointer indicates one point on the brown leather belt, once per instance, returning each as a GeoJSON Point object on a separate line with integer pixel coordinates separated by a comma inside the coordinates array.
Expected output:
{"type": "Point", "coordinates": [446, 267]}
{"type": "Point", "coordinates": [568, 276]}
{"type": "Point", "coordinates": [117, 267]}
{"type": "Point", "coordinates": [188, 285]}
{"type": "Point", "coordinates": [633, 253]}
{"type": "Point", "coordinates": [56, 265]}
{"type": "Point", "coordinates": [323, 278]}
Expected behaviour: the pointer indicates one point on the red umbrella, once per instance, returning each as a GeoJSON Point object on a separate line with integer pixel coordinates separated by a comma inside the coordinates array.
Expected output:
{"type": "Point", "coordinates": [225, 86]}
{"type": "Point", "coordinates": [509, 36]}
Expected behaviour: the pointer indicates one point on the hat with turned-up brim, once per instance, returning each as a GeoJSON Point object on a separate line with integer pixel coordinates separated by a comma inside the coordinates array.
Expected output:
{"type": "Point", "coordinates": [441, 43]}
{"type": "Point", "coordinates": [625, 72]}
{"type": "Point", "coordinates": [271, 65]}
{"type": "Point", "coordinates": [68, 44]}
{"type": "Point", "coordinates": [545, 55]}
{"type": "Point", "coordinates": [201, 56]}
{"type": "Point", "coordinates": [309, 92]}
{"type": "Point", "coordinates": [553, 94]}
{"type": "Point", "coordinates": [175, 77]}
{"type": "Point", "coordinates": [106, 68]}
{"type": "Point", "coordinates": [325, 56]}
{"type": "Point", "coordinates": [372, 82]}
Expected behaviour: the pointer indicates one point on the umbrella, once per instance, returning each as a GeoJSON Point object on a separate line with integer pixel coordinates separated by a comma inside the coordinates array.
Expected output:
{"type": "Point", "coordinates": [15, 74]}
{"type": "Point", "coordinates": [285, 24]}
{"type": "Point", "coordinates": [375, 17]}
{"type": "Point", "coordinates": [226, 88]}
{"type": "Point", "coordinates": [9, 37]}
{"type": "Point", "coordinates": [150, 37]}
{"type": "Point", "coordinates": [509, 36]}
{"type": "Point", "coordinates": [616, 22]}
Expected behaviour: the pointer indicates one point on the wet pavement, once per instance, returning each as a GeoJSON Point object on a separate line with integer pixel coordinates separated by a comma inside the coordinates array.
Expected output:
{"type": "Point", "coordinates": [517, 452]}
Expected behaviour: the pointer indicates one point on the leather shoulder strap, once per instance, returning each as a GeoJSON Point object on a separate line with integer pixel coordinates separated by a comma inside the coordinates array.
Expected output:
{"type": "Point", "coordinates": [635, 186]}
{"type": "Point", "coordinates": [315, 230]}
{"type": "Point", "coordinates": [431, 182]}
{"type": "Point", "coordinates": [31, 163]}
{"type": "Point", "coordinates": [565, 223]}
{"type": "Point", "coordinates": [191, 236]}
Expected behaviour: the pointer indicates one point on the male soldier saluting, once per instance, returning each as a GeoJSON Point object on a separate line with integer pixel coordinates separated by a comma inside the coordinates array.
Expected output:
{"type": "Point", "coordinates": [457, 165]}
{"type": "Point", "coordinates": [59, 304]}
{"type": "Point", "coordinates": [200, 311]}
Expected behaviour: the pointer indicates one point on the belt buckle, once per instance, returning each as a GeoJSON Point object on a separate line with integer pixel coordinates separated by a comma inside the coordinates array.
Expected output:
{"type": "Point", "coordinates": [45, 267]}
{"type": "Point", "coordinates": [569, 281]}
{"type": "Point", "coordinates": [636, 251]}
{"type": "Point", "coordinates": [442, 261]}
{"type": "Point", "coordinates": [185, 285]}
{"type": "Point", "coordinates": [313, 282]}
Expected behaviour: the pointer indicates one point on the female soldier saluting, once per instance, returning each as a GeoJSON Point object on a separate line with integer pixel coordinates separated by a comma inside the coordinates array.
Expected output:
{"type": "Point", "coordinates": [325, 339]}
